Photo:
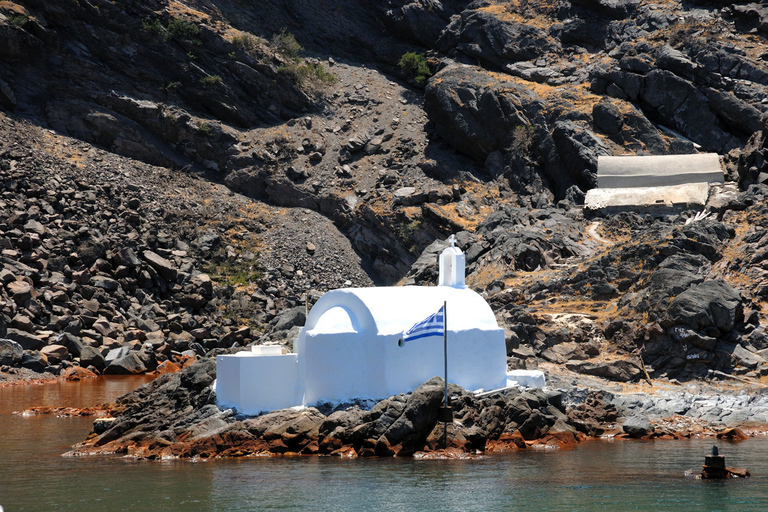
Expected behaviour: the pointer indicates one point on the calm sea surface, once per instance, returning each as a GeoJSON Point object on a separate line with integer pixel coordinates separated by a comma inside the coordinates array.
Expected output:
{"type": "Point", "coordinates": [595, 476]}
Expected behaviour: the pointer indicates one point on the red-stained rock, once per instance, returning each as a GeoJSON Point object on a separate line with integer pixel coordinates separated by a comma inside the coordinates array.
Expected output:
{"type": "Point", "coordinates": [312, 447]}
{"type": "Point", "coordinates": [734, 434]}
{"type": "Point", "coordinates": [277, 446]}
{"type": "Point", "coordinates": [187, 360]}
{"type": "Point", "coordinates": [78, 372]}
{"type": "Point", "coordinates": [399, 426]}
{"type": "Point", "coordinates": [166, 367]}
{"type": "Point", "coordinates": [556, 439]}
{"type": "Point", "coordinates": [345, 451]}
{"type": "Point", "coordinates": [506, 442]}
{"type": "Point", "coordinates": [738, 472]}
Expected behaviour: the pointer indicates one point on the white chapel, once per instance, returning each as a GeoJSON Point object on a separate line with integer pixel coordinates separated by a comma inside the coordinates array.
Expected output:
{"type": "Point", "coordinates": [349, 348]}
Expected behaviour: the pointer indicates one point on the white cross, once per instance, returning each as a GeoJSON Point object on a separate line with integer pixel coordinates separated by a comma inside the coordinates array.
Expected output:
{"type": "Point", "coordinates": [453, 240]}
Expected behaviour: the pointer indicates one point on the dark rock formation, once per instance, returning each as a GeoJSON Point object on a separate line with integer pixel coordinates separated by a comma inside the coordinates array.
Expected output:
{"type": "Point", "coordinates": [176, 415]}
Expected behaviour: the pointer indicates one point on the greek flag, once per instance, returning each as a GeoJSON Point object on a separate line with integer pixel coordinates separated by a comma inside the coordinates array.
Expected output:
{"type": "Point", "coordinates": [433, 325]}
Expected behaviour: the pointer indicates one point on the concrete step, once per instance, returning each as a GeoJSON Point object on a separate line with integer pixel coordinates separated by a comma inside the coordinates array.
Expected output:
{"type": "Point", "coordinates": [657, 171]}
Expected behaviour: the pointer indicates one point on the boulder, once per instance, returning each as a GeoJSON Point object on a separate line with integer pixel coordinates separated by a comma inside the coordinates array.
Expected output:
{"type": "Point", "coordinates": [34, 360]}
{"type": "Point", "coordinates": [637, 427]}
{"type": "Point", "coordinates": [20, 290]}
{"type": "Point", "coordinates": [292, 317]}
{"type": "Point", "coordinates": [682, 106]}
{"type": "Point", "coordinates": [105, 283]}
{"type": "Point", "coordinates": [89, 356]}
{"type": "Point", "coordinates": [55, 353]}
{"type": "Point", "coordinates": [488, 37]}
{"type": "Point", "coordinates": [126, 365]}
{"type": "Point", "coordinates": [73, 343]}
{"type": "Point", "coordinates": [475, 112]}
{"type": "Point", "coordinates": [421, 21]}
{"type": "Point", "coordinates": [739, 115]}
{"type": "Point", "coordinates": [127, 258]}
{"type": "Point", "coordinates": [75, 373]}
{"type": "Point", "coordinates": [594, 416]}
{"type": "Point", "coordinates": [116, 353]}
{"type": "Point", "coordinates": [746, 358]}
{"type": "Point", "coordinates": [675, 61]}
{"type": "Point", "coordinates": [28, 341]}
{"type": "Point", "coordinates": [408, 432]}
{"type": "Point", "coordinates": [203, 284]}
{"type": "Point", "coordinates": [711, 304]}
{"type": "Point", "coordinates": [564, 352]}
{"type": "Point", "coordinates": [578, 149]}
{"type": "Point", "coordinates": [607, 117]}
{"type": "Point", "coordinates": [10, 352]}
{"type": "Point", "coordinates": [165, 268]}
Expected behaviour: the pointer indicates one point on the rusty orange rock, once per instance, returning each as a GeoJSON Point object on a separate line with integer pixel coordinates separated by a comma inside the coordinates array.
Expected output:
{"type": "Point", "coordinates": [75, 373]}
{"type": "Point", "coordinates": [166, 367]}
{"type": "Point", "coordinates": [734, 434]}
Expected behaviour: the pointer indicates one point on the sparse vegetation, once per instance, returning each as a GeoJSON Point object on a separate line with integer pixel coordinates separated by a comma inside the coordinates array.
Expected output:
{"type": "Point", "coordinates": [18, 20]}
{"type": "Point", "coordinates": [522, 139]}
{"type": "Point", "coordinates": [246, 42]}
{"type": "Point", "coordinates": [177, 29]}
{"type": "Point", "coordinates": [407, 230]}
{"type": "Point", "coordinates": [691, 32]}
{"type": "Point", "coordinates": [286, 45]}
{"type": "Point", "coordinates": [310, 76]}
{"type": "Point", "coordinates": [170, 86]}
{"type": "Point", "coordinates": [204, 129]}
{"type": "Point", "coordinates": [183, 30]}
{"type": "Point", "coordinates": [235, 273]}
{"type": "Point", "coordinates": [153, 26]}
{"type": "Point", "coordinates": [212, 80]}
{"type": "Point", "coordinates": [414, 66]}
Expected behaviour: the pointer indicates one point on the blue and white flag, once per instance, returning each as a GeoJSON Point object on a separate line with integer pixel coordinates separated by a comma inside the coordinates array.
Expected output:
{"type": "Point", "coordinates": [433, 325]}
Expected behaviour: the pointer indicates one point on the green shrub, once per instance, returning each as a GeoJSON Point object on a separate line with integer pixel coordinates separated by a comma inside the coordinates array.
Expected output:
{"type": "Point", "coordinates": [407, 231]}
{"type": "Point", "coordinates": [204, 129]}
{"type": "Point", "coordinates": [286, 45]}
{"type": "Point", "coordinates": [310, 77]}
{"type": "Point", "coordinates": [309, 72]}
{"type": "Point", "coordinates": [246, 42]}
{"type": "Point", "coordinates": [152, 26]}
{"type": "Point", "coordinates": [18, 20]}
{"type": "Point", "coordinates": [212, 80]}
{"type": "Point", "coordinates": [183, 30]}
{"type": "Point", "coordinates": [170, 86]}
{"type": "Point", "coordinates": [415, 67]}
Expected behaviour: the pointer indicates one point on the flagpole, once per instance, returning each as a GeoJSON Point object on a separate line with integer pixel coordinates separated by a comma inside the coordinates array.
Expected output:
{"type": "Point", "coordinates": [445, 349]}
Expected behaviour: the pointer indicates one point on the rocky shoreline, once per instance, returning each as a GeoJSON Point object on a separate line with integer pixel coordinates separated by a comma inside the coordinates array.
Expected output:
{"type": "Point", "coordinates": [172, 189]}
{"type": "Point", "coordinates": [176, 416]}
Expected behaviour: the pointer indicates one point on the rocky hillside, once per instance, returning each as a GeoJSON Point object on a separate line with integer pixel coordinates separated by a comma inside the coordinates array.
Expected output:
{"type": "Point", "coordinates": [184, 177]}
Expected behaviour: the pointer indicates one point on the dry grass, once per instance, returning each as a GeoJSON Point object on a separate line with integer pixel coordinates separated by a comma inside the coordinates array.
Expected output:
{"type": "Point", "coordinates": [511, 12]}
{"type": "Point", "coordinates": [180, 10]}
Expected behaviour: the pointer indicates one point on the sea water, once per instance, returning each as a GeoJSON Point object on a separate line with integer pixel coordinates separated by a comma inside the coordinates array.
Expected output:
{"type": "Point", "coordinates": [595, 476]}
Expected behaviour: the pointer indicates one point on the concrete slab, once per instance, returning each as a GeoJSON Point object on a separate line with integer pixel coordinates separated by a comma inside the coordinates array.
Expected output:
{"type": "Point", "coordinates": [649, 199]}
{"type": "Point", "coordinates": [657, 171]}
